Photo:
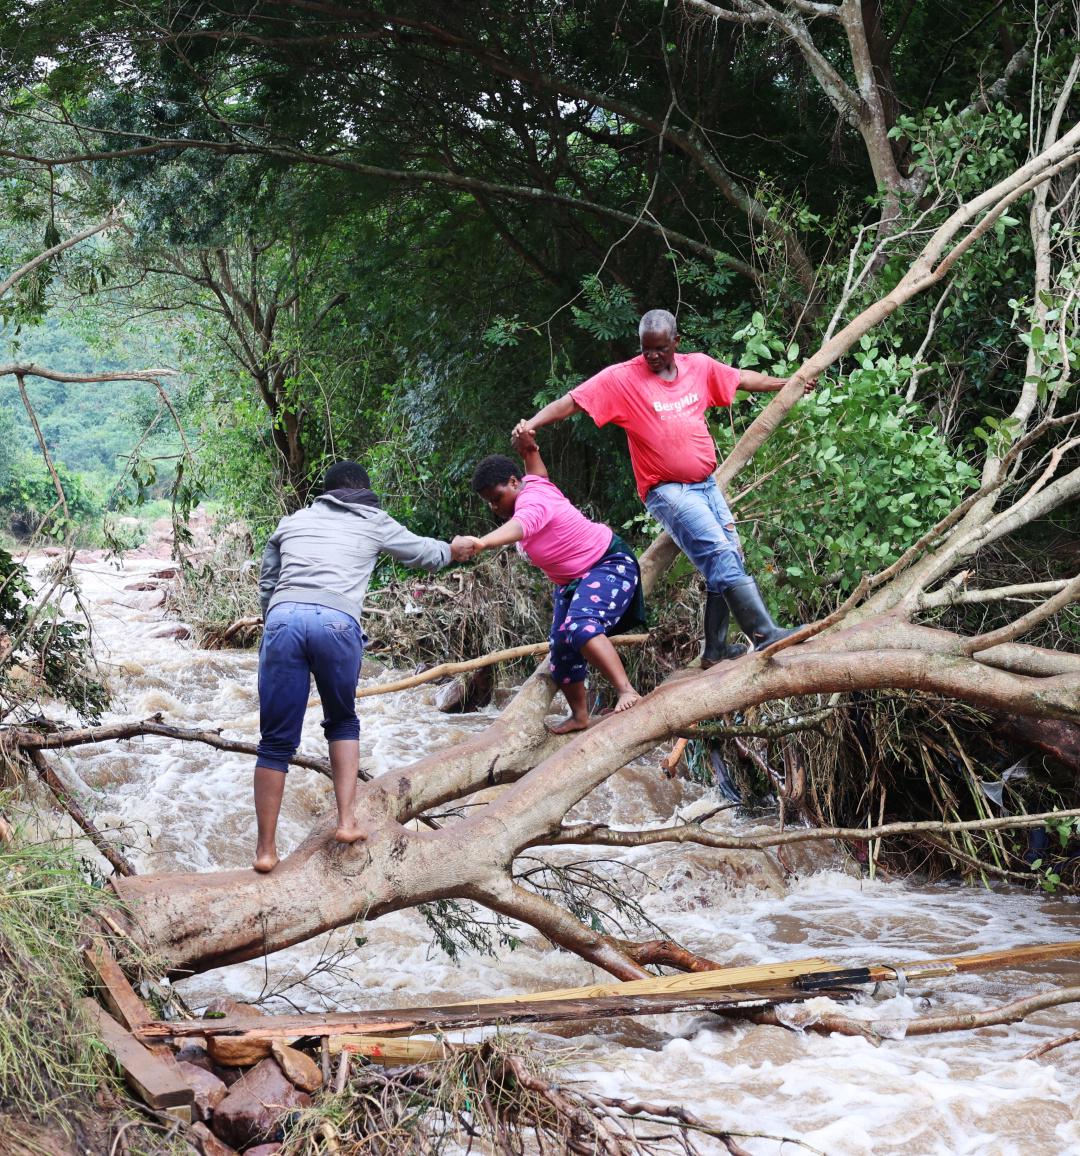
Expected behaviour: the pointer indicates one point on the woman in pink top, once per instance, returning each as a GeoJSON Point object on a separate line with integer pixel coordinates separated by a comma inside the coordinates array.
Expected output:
{"type": "Point", "coordinates": [595, 573]}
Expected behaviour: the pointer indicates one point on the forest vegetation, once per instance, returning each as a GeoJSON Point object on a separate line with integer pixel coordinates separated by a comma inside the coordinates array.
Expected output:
{"type": "Point", "coordinates": [287, 232]}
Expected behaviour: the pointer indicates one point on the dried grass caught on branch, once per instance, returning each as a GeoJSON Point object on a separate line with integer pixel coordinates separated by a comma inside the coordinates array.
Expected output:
{"type": "Point", "coordinates": [869, 758]}
{"type": "Point", "coordinates": [493, 1097]}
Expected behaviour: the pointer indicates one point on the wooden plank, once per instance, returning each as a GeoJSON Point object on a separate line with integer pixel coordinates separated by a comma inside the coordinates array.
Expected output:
{"type": "Point", "coordinates": [389, 1050]}
{"type": "Point", "coordinates": [917, 969]}
{"type": "Point", "coordinates": [1010, 957]}
{"type": "Point", "coordinates": [418, 1021]}
{"type": "Point", "coordinates": [119, 996]}
{"type": "Point", "coordinates": [770, 975]}
{"type": "Point", "coordinates": [151, 1078]}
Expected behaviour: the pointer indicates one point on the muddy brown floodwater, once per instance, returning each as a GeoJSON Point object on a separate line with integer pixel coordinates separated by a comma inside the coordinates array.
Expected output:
{"type": "Point", "coordinates": [187, 807]}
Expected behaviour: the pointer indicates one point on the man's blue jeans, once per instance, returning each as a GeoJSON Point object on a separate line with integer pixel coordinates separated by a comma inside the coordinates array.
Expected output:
{"type": "Point", "coordinates": [302, 639]}
{"type": "Point", "coordinates": [696, 515]}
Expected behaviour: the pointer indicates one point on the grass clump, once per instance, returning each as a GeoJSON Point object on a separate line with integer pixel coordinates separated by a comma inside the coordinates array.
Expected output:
{"type": "Point", "coordinates": [58, 1093]}
{"type": "Point", "coordinates": [48, 1060]}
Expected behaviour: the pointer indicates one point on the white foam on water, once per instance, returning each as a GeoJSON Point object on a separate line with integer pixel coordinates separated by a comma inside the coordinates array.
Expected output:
{"type": "Point", "coordinates": [185, 806]}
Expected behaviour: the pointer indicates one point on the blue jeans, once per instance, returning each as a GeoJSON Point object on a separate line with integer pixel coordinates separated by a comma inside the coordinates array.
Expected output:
{"type": "Point", "coordinates": [302, 639]}
{"type": "Point", "coordinates": [696, 515]}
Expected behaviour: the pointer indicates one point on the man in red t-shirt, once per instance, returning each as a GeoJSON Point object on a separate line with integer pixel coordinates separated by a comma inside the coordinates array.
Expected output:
{"type": "Point", "coordinates": [660, 399]}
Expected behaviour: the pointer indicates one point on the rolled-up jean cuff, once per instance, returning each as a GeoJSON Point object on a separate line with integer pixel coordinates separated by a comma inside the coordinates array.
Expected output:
{"type": "Point", "coordinates": [273, 762]}
{"type": "Point", "coordinates": [341, 730]}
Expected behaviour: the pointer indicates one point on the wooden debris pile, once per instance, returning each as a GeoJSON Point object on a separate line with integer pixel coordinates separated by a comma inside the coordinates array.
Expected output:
{"type": "Point", "coordinates": [241, 1078]}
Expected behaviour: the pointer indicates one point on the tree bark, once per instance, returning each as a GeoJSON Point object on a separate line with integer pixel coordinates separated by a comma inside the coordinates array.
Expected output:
{"type": "Point", "coordinates": [200, 921]}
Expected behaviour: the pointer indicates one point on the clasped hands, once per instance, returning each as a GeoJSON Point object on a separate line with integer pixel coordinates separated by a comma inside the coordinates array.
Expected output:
{"type": "Point", "coordinates": [464, 547]}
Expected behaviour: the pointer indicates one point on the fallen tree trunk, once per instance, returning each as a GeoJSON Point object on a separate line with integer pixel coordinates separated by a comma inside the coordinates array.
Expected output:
{"type": "Point", "coordinates": [200, 921]}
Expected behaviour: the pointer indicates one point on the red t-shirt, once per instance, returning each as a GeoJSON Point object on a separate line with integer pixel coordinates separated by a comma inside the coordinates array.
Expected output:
{"type": "Point", "coordinates": [664, 420]}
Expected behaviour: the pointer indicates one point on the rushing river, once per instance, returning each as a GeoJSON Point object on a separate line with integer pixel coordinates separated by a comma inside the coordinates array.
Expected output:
{"type": "Point", "coordinates": [183, 806]}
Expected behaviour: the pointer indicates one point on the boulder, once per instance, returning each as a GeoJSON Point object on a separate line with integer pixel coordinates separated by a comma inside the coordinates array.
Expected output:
{"type": "Point", "coordinates": [229, 1051]}
{"type": "Point", "coordinates": [251, 1112]}
{"type": "Point", "coordinates": [209, 1090]}
{"type": "Point", "coordinates": [225, 1006]}
{"type": "Point", "coordinates": [263, 1150]}
{"type": "Point", "coordinates": [300, 1070]}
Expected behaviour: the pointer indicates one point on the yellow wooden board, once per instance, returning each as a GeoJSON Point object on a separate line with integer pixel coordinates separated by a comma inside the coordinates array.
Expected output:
{"type": "Point", "coordinates": [743, 978]}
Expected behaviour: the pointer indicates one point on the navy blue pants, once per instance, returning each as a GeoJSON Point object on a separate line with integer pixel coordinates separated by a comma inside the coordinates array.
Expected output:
{"type": "Point", "coordinates": [300, 640]}
{"type": "Point", "coordinates": [590, 606]}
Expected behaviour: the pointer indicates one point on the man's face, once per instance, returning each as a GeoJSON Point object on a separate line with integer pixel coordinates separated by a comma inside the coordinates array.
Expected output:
{"type": "Point", "coordinates": [502, 497]}
{"type": "Point", "coordinates": [658, 348]}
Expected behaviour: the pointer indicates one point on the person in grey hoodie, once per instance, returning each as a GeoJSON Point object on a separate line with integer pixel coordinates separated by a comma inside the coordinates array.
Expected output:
{"type": "Point", "coordinates": [315, 572]}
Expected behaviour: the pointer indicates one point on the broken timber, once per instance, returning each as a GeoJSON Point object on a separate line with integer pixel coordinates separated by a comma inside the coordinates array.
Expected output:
{"type": "Point", "coordinates": [412, 1021]}
{"type": "Point", "coordinates": [153, 1078]}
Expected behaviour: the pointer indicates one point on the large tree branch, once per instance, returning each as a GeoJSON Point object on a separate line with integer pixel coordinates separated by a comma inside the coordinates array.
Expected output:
{"type": "Point", "coordinates": [460, 181]}
{"type": "Point", "coordinates": [397, 867]}
{"type": "Point", "coordinates": [32, 370]}
{"type": "Point", "coordinates": [599, 835]}
{"type": "Point", "coordinates": [956, 595]}
{"type": "Point", "coordinates": [107, 222]}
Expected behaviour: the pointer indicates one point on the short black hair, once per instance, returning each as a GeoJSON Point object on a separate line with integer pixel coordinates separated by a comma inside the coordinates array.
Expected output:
{"type": "Point", "coordinates": [494, 470]}
{"type": "Point", "coordinates": [346, 476]}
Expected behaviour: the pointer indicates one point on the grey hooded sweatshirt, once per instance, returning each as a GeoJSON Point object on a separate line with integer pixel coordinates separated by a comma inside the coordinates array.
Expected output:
{"type": "Point", "coordinates": [325, 554]}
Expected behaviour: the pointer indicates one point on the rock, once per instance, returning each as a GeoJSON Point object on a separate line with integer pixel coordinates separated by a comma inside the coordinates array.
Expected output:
{"type": "Point", "coordinates": [52, 551]}
{"type": "Point", "coordinates": [234, 1052]}
{"type": "Point", "coordinates": [168, 572]}
{"type": "Point", "coordinates": [250, 1113]}
{"type": "Point", "coordinates": [225, 1006]}
{"type": "Point", "coordinates": [229, 1051]}
{"type": "Point", "coordinates": [197, 1054]}
{"type": "Point", "coordinates": [300, 1070]}
{"type": "Point", "coordinates": [210, 1144]}
{"type": "Point", "coordinates": [263, 1150]}
{"type": "Point", "coordinates": [209, 1090]}
{"type": "Point", "coordinates": [142, 584]}
{"type": "Point", "coordinates": [178, 630]}
{"type": "Point", "coordinates": [466, 693]}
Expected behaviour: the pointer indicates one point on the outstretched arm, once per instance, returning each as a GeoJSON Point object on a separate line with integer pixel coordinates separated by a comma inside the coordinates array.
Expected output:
{"type": "Point", "coordinates": [753, 382]}
{"type": "Point", "coordinates": [508, 532]}
{"type": "Point", "coordinates": [468, 546]}
{"type": "Point", "coordinates": [557, 410]}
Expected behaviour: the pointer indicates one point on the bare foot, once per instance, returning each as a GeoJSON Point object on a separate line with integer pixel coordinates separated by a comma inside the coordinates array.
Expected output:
{"type": "Point", "coordinates": [350, 833]}
{"type": "Point", "coordinates": [569, 725]}
{"type": "Point", "coordinates": [627, 700]}
{"type": "Point", "coordinates": [264, 864]}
